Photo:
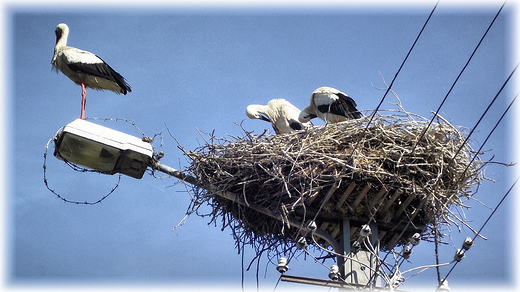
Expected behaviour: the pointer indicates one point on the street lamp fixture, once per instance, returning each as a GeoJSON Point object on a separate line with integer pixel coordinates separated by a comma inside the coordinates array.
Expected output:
{"type": "Point", "coordinates": [102, 149]}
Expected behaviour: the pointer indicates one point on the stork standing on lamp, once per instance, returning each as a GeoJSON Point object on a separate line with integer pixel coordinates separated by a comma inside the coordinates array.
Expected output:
{"type": "Point", "coordinates": [85, 68]}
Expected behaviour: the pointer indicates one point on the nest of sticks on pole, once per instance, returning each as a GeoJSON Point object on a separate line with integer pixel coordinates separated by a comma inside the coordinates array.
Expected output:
{"type": "Point", "coordinates": [399, 172]}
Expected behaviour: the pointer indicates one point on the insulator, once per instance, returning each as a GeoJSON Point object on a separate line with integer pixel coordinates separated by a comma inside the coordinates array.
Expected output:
{"type": "Point", "coordinates": [468, 243]}
{"type": "Point", "coordinates": [407, 252]}
{"type": "Point", "coordinates": [301, 243]}
{"type": "Point", "coordinates": [334, 273]}
{"type": "Point", "coordinates": [396, 279]}
{"type": "Point", "coordinates": [459, 255]}
{"type": "Point", "coordinates": [365, 231]}
{"type": "Point", "coordinates": [443, 287]}
{"type": "Point", "coordinates": [282, 265]}
{"type": "Point", "coordinates": [147, 139]}
{"type": "Point", "coordinates": [311, 226]}
{"type": "Point", "coordinates": [356, 246]}
{"type": "Point", "coordinates": [415, 239]}
{"type": "Point", "coordinates": [159, 155]}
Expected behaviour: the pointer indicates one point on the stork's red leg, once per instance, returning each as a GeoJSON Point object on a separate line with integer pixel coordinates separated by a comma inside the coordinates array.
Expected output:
{"type": "Point", "coordinates": [83, 100]}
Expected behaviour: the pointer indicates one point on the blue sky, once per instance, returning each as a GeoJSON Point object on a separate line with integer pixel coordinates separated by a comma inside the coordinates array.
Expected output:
{"type": "Point", "coordinates": [198, 68]}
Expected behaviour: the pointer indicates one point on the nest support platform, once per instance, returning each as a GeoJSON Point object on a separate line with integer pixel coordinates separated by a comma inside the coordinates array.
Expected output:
{"type": "Point", "coordinates": [399, 172]}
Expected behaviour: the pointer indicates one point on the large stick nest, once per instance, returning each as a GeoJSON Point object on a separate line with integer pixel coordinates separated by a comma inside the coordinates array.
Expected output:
{"type": "Point", "coordinates": [380, 174]}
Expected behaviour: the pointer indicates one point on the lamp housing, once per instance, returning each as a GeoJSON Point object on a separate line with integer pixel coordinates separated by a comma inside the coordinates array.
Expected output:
{"type": "Point", "coordinates": [102, 149]}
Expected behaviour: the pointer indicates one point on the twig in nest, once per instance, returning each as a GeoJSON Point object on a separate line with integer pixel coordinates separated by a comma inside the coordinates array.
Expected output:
{"type": "Point", "coordinates": [290, 175]}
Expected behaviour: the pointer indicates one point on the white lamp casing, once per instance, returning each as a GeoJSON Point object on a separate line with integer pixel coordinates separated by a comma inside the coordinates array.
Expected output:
{"type": "Point", "coordinates": [102, 149]}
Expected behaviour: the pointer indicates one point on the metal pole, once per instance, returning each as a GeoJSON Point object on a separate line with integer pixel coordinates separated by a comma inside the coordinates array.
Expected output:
{"type": "Point", "coordinates": [176, 173]}
{"type": "Point", "coordinates": [238, 199]}
{"type": "Point", "coordinates": [345, 249]}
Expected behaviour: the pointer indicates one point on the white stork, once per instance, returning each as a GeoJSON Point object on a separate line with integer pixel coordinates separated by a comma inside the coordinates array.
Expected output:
{"type": "Point", "coordinates": [330, 105]}
{"type": "Point", "coordinates": [282, 115]}
{"type": "Point", "coordinates": [85, 68]}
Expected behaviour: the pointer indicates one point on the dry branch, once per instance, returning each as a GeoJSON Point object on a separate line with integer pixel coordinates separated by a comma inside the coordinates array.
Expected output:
{"type": "Point", "coordinates": [341, 170]}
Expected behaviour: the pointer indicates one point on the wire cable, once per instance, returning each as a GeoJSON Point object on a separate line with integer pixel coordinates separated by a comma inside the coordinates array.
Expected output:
{"type": "Point", "coordinates": [483, 225]}
{"type": "Point", "coordinates": [457, 79]}
{"type": "Point", "coordinates": [465, 141]}
{"type": "Point", "coordinates": [386, 92]}
{"type": "Point", "coordinates": [485, 112]}
{"type": "Point", "coordinates": [435, 114]}
{"type": "Point", "coordinates": [77, 168]}
{"type": "Point", "coordinates": [395, 76]}
{"type": "Point", "coordinates": [277, 282]}
{"type": "Point", "coordinates": [489, 135]}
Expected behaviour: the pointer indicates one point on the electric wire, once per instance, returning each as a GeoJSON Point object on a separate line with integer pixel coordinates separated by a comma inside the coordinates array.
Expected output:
{"type": "Point", "coordinates": [386, 93]}
{"type": "Point", "coordinates": [381, 102]}
{"type": "Point", "coordinates": [242, 276]}
{"type": "Point", "coordinates": [424, 268]}
{"type": "Point", "coordinates": [465, 141]}
{"type": "Point", "coordinates": [395, 76]}
{"type": "Point", "coordinates": [277, 282]}
{"type": "Point", "coordinates": [485, 112]}
{"type": "Point", "coordinates": [483, 225]}
{"type": "Point", "coordinates": [375, 253]}
{"type": "Point", "coordinates": [436, 250]}
{"type": "Point", "coordinates": [387, 90]}
{"type": "Point", "coordinates": [328, 269]}
{"type": "Point", "coordinates": [489, 134]}
{"type": "Point", "coordinates": [435, 114]}
{"type": "Point", "coordinates": [444, 99]}
{"type": "Point", "coordinates": [375, 271]}
{"type": "Point", "coordinates": [256, 275]}
{"type": "Point", "coordinates": [457, 79]}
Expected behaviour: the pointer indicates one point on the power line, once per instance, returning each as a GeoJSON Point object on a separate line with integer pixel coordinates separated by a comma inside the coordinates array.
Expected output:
{"type": "Point", "coordinates": [435, 114]}
{"type": "Point", "coordinates": [483, 225]}
{"type": "Point", "coordinates": [465, 141]}
{"type": "Point", "coordinates": [457, 79]}
{"type": "Point", "coordinates": [491, 132]}
{"type": "Point", "coordinates": [445, 98]}
{"type": "Point", "coordinates": [485, 112]}
{"type": "Point", "coordinates": [473, 159]}
{"type": "Point", "coordinates": [387, 90]}
{"type": "Point", "coordinates": [396, 74]}
{"type": "Point", "coordinates": [448, 93]}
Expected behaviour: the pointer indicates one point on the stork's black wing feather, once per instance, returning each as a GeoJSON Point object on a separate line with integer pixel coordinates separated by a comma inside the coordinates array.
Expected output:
{"type": "Point", "coordinates": [344, 106]}
{"type": "Point", "coordinates": [102, 70]}
{"type": "Point", "coordinates": [295, 125]}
